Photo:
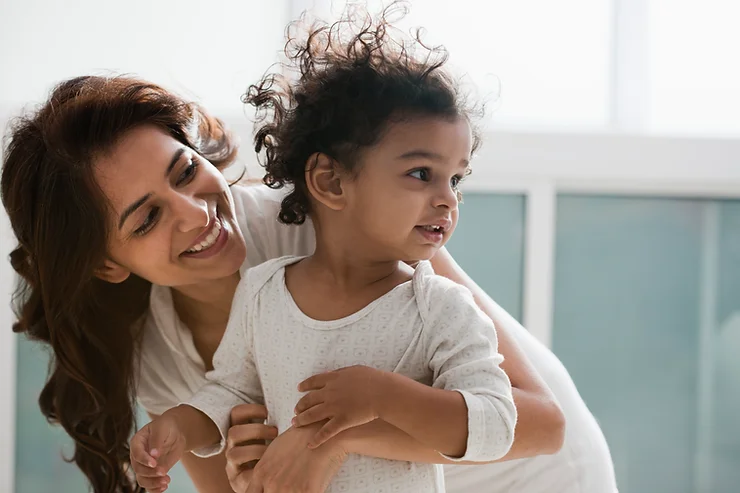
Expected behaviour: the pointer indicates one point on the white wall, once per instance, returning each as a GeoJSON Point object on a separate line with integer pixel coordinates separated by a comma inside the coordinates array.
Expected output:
{"type": "Point", "coordinates": [209, 51]}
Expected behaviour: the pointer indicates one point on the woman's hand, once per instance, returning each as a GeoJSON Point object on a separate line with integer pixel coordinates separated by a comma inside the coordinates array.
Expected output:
{"type": "Point", "coordinates": [246, 443]}
{"type": "Point", "coordinates": [285, 465]}
{"type": "Point", "coordinates": [289, 466]}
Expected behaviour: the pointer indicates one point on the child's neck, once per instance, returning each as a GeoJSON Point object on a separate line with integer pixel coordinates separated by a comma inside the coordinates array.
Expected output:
{"type": "Point", "coordinates": [336, 282]}
{"type": "Point", "coordinates": [349, 271]}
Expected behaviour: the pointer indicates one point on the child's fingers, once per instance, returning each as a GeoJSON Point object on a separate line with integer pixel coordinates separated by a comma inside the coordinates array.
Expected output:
{"type": "Point", "coordinates": [143, 459]}
{"type": "Point", "coordinates": [153, 484]}
{"type": "Point", "coordinates": [148, 472]}
{"type": "Point", "coordinates": [168, 459]}
{"type": "Point", "coordinates": [312, 415]}
{"type": "Point", "coordinates": [139, 448]}
{"type": "Point", "coordinates": [315, 382]}
{"type": "Point", "coordinates": [328, 431]}
{"type": "Point", "coordinates": [313, 398]}
{"type": "Point", "coordinates": [165, 446]}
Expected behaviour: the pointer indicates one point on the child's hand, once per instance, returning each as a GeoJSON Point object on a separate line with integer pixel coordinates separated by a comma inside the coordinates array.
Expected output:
{"type": "Point", "coordinates": [347, 397]}
{"type": "Point", "coordinates": [154, 450]}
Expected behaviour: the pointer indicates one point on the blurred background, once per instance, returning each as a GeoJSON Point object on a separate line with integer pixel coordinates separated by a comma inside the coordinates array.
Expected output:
{"type": "Point", "coordinates": [603, 211]}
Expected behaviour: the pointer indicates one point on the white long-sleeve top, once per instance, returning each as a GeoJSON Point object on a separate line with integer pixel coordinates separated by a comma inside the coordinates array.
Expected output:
{"type": "Point", "coordinates": [428, 329]}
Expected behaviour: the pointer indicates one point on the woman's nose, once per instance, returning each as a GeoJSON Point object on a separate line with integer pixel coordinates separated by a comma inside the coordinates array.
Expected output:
{"type": "Point", "coordinates": [191, 213]}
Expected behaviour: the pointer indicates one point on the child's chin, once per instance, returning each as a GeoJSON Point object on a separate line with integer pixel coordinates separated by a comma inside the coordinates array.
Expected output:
{"type": "Point", "coordinates": [424, 253]}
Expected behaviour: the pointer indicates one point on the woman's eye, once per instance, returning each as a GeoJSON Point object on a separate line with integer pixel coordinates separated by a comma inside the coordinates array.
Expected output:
{"type": "Point", "coordinates": [188, 173]}
{"type": "Point", "coordinates": [420, 174]}
{"type": "Point", "coordinates": [149, 222]}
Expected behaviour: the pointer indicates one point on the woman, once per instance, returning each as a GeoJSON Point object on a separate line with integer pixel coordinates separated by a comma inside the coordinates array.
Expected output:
{"type": "Point", "coordinates": [110, 188]}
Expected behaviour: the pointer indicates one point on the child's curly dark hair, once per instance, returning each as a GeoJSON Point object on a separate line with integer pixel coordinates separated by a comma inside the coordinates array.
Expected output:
{"type": "Point", "coordinates": [353, 78]}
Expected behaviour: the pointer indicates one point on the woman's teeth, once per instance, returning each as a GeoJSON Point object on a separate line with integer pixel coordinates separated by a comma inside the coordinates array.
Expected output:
{"type": "Point", "coordinates": [433, 229]}
{"type": "Point", "coordinates": [210, 239]}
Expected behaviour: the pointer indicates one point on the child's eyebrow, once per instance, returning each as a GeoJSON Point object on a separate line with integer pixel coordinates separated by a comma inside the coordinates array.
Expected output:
{"type": "Point", "coordinates": [432, 156]}
{"type": "Point", "coordinates": [420, 153]}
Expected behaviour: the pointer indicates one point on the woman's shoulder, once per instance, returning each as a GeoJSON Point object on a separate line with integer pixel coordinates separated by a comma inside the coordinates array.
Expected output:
{"type": "Point", "coordinates": [257, 207]}
{"type": "Point", "coordinates": [256, 197]}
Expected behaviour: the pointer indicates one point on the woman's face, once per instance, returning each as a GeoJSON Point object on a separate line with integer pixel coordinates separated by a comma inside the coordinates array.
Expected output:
{"type": "Point", "coordinates": [171, 216]}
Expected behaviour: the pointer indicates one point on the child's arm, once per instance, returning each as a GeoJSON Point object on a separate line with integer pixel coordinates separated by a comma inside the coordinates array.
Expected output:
{"type": "Point", "coordinates": [360, 395]}
{"type": "Point", "coordinates": [540, 427]}
{"type": "Point", "coordinates": [468, 413]}
{"type": "Point", "coordinates": [461, 347]}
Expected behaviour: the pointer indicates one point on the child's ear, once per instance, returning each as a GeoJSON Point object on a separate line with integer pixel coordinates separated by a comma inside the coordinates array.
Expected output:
{"type": "Point", "coordinates": [324, 181]}
{"type": "Point", "coordinates": [112, 272]}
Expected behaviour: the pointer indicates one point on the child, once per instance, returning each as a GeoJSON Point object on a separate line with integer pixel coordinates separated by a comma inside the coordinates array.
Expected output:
{"type": "Point", "coordinates": [374, 143]}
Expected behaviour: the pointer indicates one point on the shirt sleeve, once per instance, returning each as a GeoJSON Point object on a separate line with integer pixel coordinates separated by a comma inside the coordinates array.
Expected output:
{"type": "Point", "coordinates": [153, 391]}
{"type": "Point", "coordinates": [234, 379]}
{"type": "Point", "coordinates": [462, 350]}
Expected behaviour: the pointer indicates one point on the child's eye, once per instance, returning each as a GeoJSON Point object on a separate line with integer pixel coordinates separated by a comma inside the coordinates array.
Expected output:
{"type": "Point", "coordinates": [420, 174]}
{"type": "Point", "coordinates": [455, 181]}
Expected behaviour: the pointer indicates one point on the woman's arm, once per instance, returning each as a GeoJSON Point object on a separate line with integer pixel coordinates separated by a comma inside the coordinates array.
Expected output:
{"type": "Point", "coordinates": [540, 427]}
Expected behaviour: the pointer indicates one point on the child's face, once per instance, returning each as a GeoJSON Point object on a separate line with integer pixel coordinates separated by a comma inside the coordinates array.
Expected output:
{"type": "Point", "coordinates": [403, 202]}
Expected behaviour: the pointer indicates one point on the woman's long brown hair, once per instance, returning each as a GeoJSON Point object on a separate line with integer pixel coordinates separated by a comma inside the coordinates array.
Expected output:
{"type": "Point", "coordinates": [58, 214]}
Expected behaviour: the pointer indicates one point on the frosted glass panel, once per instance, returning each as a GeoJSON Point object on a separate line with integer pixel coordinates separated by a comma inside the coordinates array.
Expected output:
{"type": "Point", "coordinates": [643, 316]}
{"type": "Point", "coordinates": [40, 447]}
{"type": "Point", "coordinates": [489, 244]}
{"type": "Point", "coordinates": [723, 473]}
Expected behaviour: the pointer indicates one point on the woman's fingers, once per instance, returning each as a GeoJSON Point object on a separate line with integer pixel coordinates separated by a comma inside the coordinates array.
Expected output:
{"type": "Point", "coordinates": [246, 453]}
{"type": "Point", "coordinates": [240, 480]}
{"type": "Point", "coordinates": [248, 413]}
{"type": "Point", "coordinates": [244, 434]}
